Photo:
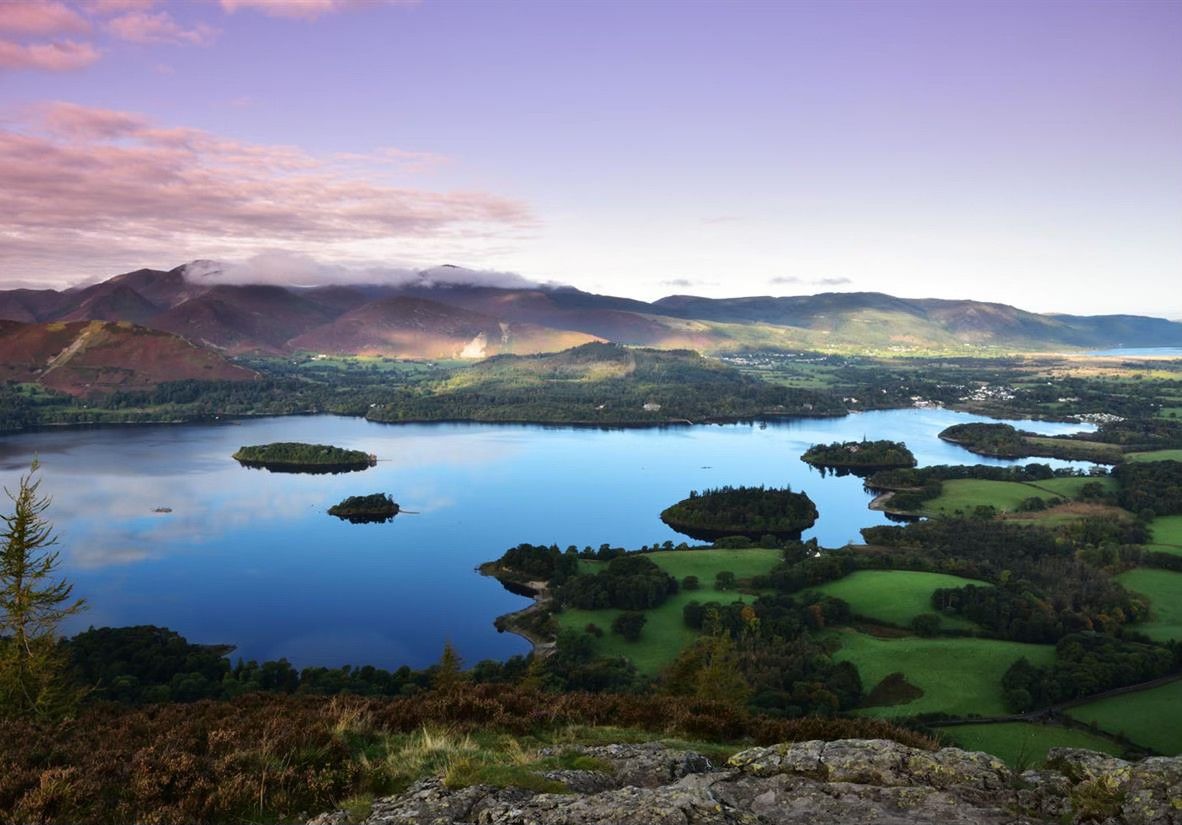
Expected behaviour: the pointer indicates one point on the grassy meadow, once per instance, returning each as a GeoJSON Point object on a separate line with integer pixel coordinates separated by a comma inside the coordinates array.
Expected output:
{"type": "Point", "coordinates": [960, 676]}
{"type": "Point", "coordinates": [665, 634]}
{"type": "Point", "coordinates": [1167, 530]}
{"type": "Point", "coordinates": [965, 494]}
{"type": "Point", "coordinates": [1155, 455]}
{"type": "Point", "coordinates": [1164, 591]}
{"type": "Point", "coordinates": [896, 596]}
{"type": "Point", "coordinates": [1147, 717]}
{"type": "Point", "coordinates": [1025, 744]}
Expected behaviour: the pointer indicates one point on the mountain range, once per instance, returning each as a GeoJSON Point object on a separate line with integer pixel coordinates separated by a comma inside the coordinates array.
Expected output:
{"type": "Point", "coordinates": [202, 322]}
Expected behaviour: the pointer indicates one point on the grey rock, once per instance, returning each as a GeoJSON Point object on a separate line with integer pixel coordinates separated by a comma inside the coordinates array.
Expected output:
{"type": "Point", "coordinates": [810, 783]}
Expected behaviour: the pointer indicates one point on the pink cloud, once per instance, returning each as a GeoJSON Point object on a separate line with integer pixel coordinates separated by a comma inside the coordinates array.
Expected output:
{"type": "Point", "coordinates": [307, 9]}
{"type": "Point", "coordinates": [62, 56]}
{"type": "Point", "coordinates": [84, 184]}
{"type": "Point", "coordinates": [40, 17]}
{"type": "Point", "coordinates": [158, 27]}
{"type": "Point", "coordinates": [118, 6]}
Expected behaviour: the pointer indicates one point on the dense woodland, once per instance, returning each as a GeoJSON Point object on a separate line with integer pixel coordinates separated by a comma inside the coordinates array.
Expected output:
{"type": "Point", "coordinates": [861, 455]}
{"type": "Point", "coordinates": [741, 511]}
{"type": "Point", "coordinates": [294, 456]}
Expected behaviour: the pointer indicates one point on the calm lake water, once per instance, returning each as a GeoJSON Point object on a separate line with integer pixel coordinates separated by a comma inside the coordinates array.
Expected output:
{"type": "Point", "coordinates": [250, 558]}
{"type": "Point", "coordinates": [1140, 352]}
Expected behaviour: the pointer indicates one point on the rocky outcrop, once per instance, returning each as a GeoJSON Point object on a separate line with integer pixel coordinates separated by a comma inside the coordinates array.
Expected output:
{"type": "Point", "coordinates": [809, 783]}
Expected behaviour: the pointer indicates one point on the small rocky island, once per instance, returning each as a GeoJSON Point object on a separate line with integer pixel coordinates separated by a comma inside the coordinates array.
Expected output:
{"type": "Point", "coordinates": [742, 511]}
{"type": "Point", "coordinates": [375, 508]}
{"type": "Point", "coordinates": [859, 456]}
{"type": "Point", "coordinates": [294, 457]}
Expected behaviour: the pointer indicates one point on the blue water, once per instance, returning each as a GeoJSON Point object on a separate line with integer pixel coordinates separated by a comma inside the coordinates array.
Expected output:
{"type": "Point", "coordinates": [250, 558]}
{"type": "Point", "coordinates": [1140, 352]}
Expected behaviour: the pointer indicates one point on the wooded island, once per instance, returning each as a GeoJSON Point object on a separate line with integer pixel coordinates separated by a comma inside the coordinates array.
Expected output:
{"type": "Point", "coordinates": [294, 457]}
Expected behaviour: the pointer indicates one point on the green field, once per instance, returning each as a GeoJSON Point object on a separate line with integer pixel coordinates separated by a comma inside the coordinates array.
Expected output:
{"type": "Point", "coordinates": [960, 676]}
{"type": "Point", "coordinates": [706, 563]}
{"type": "Point", "coordinates": [1025, 744]}
{"type": "Point", "coordinates": [965, 494]}
{"type": "Point", "coordinates": [665, 634]}
{"type": "Point", "coordinates": [1148, 717]}
{"type": "Point", "coordinates": [1069, 487]}
{"type": "Point", "coordinates": [1164, 590]}
{"type": "Point", "coordinates": [896, 596]}
{"type": "Point", "coordinates": [1155, 455]}
{"type": "Point", "coordinates": [1166, 530]}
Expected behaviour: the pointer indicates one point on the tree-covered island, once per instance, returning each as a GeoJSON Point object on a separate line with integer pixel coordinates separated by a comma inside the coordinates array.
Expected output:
{"type": "Point", "coordinates": [294, 457]}
{"type": "Point", "coordinates": [742, 511]}
{"type": "Point", "coordinates": [371, 509]}
{"type": "Point", "coordinates": [859, 456]}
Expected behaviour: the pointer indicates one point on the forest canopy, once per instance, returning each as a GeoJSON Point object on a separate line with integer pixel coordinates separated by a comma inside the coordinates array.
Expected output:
{"type": "Point", "coordinates": [292, 456]}
{"type": "Point", "coordinates": [742, 511]}
{"type": "Point", "coordinates": [860, 455]}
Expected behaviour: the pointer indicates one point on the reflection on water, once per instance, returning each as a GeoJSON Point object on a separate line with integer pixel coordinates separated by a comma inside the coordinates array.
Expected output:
{"type": "Point", "coordinates": [252, 558]}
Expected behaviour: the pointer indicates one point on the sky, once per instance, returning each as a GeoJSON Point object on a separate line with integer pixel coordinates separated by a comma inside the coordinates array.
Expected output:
{"type": "Point", "coordinates": [1027, 152]}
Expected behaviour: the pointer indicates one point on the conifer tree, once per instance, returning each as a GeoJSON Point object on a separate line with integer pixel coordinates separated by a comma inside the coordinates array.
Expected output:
{"type": "Point", "coordinates": [33, 602]}
{"type": "Point", "coordinates": [449, 673]}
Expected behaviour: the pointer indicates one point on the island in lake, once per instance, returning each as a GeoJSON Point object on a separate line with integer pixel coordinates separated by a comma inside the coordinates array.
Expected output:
{"type": "Point", "coordinates": [754, 512]}
{"type": "Point", "coordinates": [294, 457]}
{"type": "Point", "coordinates": [375, 508]}
{"type": "Point", "coordinates": [859, 456]}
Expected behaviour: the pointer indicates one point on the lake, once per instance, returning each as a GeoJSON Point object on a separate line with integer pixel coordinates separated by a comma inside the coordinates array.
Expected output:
{"type": "Point", "coordinates": [251, 558]}
{"type": "Point", "coordinates": [1139, 352]}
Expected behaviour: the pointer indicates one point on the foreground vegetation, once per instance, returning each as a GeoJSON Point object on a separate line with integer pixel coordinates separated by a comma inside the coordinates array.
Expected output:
{"type": "Point", "coordinates": [274, 758]}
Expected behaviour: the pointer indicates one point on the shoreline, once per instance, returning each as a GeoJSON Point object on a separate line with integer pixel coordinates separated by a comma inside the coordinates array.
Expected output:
{"type": "Point", "coordinates": [539, 591]}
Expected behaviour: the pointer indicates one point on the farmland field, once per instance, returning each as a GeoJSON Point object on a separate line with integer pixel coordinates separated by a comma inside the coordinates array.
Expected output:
{"type": "Point", "coordinates": [1164, 590]}
{"type": "Point", "coordinates": [1016, 743]}
{"type": "Point", "coordinates": [1069, 487]}
{"type": "Point", "coordinates": [965, 494]}
{"type": "Point", "coordinates": [1166, 530]}
{"type": "Point", "coordinates": [959, 676]}
{"type": "Point", "coordinates": [896, 596]}
{"type": "Point", "coordinates": [665, 634]}
{"type": "Point", "coordinates": [1155, 455]}
{"type": "Point", "coordinates": [1146, 717]}
{"type": "Point", "coordinates": [706, 563]}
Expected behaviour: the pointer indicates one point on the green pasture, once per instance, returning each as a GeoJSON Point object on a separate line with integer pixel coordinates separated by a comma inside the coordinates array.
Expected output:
{"type": "Point", "coordinates": [1147, 717]}
{"type": "Point", "coordinates": [965, 494]}
{"type": "Point", "coordinates": [1155, 455]}
{"type": "Point", "coordinates": [1163, 588]}
{"type": "Point", "coordinates": [665, 634]}
{"type": "Point", "coordinates": [1070, 486]}
{"type": "Point", "coordinates": [896, 596]}
{"type": "Point", "coordinates": [960, 676]}
{"type": "Point", "coordinates": [1166, 530]}
{"type": "Point", "coordinates": [1025, 744]}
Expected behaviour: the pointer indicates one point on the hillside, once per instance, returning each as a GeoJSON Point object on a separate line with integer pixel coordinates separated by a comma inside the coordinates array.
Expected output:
{"type": "Point", "coordinates": [86, 357]}
{"type": "Point", "coordinates": [418, 328]}
{"type": "Point", "coordinates": [600, 383]}
{"type": "Point", "coordinates": [872, 319]}
{"type": "Point", "coordinates": [458, 315]}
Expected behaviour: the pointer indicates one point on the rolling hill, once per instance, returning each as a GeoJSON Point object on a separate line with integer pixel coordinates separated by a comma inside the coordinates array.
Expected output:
{"type": "Point", "coordinates": [418, 328]}
{"type": "Point", "coordinates": [87, 357]}
{"type": "Point", "coordinates": [445, 313]}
